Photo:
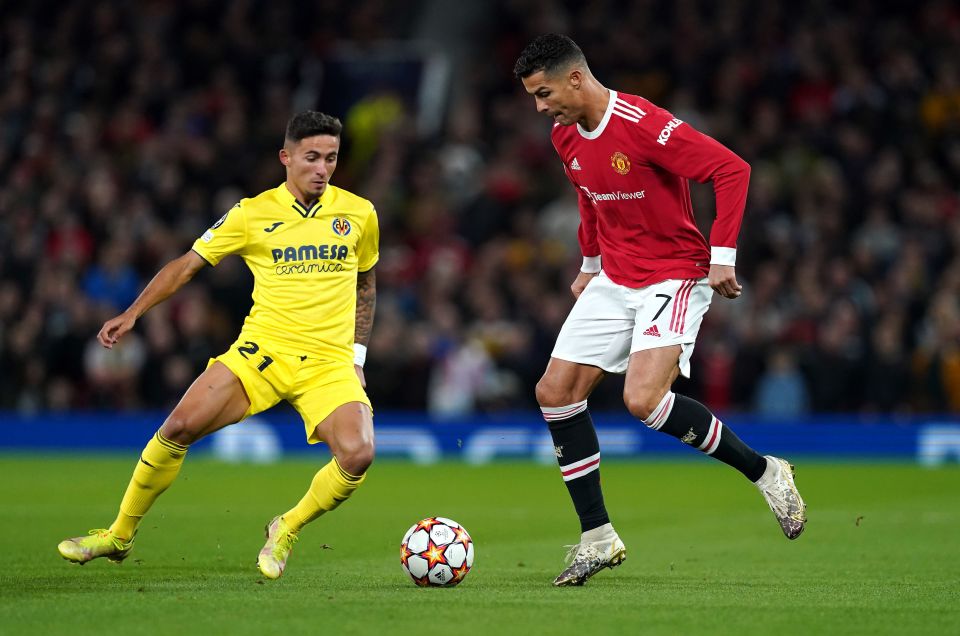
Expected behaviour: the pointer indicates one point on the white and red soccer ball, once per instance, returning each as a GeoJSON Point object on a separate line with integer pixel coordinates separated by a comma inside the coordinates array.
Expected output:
{"type": "Point", "coordinates": [436, 552]}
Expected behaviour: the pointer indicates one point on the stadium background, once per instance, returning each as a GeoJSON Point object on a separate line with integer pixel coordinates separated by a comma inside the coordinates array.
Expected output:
{"type": "Point", "coordinates": [126, 129]}
{"type": "Point", "coordinates": [125, 132]}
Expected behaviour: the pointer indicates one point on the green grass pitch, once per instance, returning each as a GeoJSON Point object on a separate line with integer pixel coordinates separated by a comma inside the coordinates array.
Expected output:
{"type": "Point", "coordinates": [881, 553]}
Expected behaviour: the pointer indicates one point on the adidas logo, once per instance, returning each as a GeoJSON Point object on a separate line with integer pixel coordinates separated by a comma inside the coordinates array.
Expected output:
{"type": "Point", "coordinates": [652, 331]}
{"type": "Point", "coordinates": [575, 165]}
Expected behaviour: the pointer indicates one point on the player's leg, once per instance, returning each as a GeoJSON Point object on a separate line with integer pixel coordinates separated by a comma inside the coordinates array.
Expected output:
{"type": "Point", "coordinates": [214, 400]}
{"type": "Point", "coordinates": [562, 394]}
{"type": "Point", "coordinates": [346, 425]}
{"type": "Point", "coordinates": [594, 340]}
{"type": "Point", "coordinates": [648, 396]}
{"type": "Point", "coordinates": [348, 431]}
{"type": "Point", "coordinates": [668, 318]}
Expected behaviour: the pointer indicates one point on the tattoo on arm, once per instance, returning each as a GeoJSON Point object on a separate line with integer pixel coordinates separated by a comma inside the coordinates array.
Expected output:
{"type": "Point", "coordinates": [366, 304]}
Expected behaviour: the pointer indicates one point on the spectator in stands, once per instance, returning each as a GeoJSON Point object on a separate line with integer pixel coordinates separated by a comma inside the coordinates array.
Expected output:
{"type": "Point", "coordinates": [120, 141]}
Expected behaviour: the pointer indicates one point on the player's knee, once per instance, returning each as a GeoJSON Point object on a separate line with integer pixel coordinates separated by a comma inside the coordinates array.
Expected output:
{"type": "Point", "coordinates": [551, 394]}
{"type": "Point", "coordinates": [180, 429]}
{"type": "Point", "coordinates": [641, 403]}
{"type": "Point", "coordinates": [356, 458]}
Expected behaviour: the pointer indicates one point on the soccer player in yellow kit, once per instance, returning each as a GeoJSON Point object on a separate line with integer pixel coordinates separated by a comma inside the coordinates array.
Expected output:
{"type": "Point", "coordinates": [311, 247]}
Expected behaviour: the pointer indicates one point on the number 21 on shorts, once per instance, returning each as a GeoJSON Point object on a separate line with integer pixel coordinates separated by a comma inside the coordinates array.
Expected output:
{"type": "Point", "coordinates": [249, 348]}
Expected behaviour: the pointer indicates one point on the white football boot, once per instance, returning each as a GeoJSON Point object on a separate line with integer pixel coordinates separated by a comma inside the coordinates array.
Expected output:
{"type": "Point", "coordinates": [782, 496]}
{"type": "Point", "coordinates": [589, 557]}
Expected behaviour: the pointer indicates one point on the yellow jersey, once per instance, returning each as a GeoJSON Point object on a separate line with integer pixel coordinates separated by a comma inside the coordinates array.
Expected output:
{"type": "Point", "coordinates": [304, 264]}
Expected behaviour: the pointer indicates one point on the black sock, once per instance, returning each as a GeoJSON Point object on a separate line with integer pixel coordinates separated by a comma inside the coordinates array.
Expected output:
{"type": "Point", "coordinates": [578, 453]}
{"type": "Point", "coordinates": [692, 423]}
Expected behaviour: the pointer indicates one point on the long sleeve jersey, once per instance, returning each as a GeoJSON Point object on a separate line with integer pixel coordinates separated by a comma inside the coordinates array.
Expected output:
{"type": "Point", "coordinates": [631, 176]}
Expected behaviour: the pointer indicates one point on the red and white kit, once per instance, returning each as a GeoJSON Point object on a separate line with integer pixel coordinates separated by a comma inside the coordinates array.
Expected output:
{"type": "Point", "coordinates": [636, 218]}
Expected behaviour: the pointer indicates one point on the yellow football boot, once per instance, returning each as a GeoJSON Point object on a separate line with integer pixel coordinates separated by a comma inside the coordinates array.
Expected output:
{"type": "Point", "coordinates": [98, 543]}
{"type": "Point", "coordinates": [273, 557]}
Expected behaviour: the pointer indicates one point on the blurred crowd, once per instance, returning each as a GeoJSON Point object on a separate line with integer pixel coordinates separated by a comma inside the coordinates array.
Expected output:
{"type": "Point", "coordinates": [127, 129]}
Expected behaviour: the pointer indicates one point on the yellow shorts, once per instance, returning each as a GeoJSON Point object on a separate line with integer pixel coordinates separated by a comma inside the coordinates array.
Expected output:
{"type": "Point", "coordinates": [314, 387]}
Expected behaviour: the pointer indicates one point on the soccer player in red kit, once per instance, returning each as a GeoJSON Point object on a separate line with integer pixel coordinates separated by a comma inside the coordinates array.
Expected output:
{"type": "Point", "coordinates": [646, 282]}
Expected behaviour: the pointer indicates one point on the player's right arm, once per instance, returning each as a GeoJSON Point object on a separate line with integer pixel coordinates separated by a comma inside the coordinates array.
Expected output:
{"type": "Point", "coordinates": [168, 280]}
{"type": "Point", "coordinates": [226, 236]}
{"type": "Point", "coordinates": [587, 238]}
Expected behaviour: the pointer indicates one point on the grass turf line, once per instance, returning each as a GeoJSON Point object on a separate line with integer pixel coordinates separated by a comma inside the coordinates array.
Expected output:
{"type": "Point", "coordinates": [880, 555]}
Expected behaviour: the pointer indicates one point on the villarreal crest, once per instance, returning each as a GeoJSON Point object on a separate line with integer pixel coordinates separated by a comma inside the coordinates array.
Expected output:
{"type": "Point", "coordinates": [341, 227]}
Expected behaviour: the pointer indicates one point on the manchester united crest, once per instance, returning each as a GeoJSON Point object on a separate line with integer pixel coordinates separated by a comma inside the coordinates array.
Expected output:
{"type": "Point", "coordinates": [620, 162]}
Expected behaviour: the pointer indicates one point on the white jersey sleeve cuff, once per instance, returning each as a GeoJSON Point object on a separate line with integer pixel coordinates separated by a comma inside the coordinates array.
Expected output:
{"type": "Point", "coordinates": [723, 255]}
{"type": "Point", "coordinates": [591, 265]}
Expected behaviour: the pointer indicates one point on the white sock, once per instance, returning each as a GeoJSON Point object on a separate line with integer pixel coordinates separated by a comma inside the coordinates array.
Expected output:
{"type": "Point", "coordinates": [769, 473]}
{"type": "Point", "coordinates": [603, 533]}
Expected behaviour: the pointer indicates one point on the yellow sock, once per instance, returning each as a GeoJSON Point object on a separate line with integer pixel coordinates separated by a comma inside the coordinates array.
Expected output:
{"type": "Point", "coordinates": [158, 467]}
{"type": "Point", "coordinates": [331, 486]}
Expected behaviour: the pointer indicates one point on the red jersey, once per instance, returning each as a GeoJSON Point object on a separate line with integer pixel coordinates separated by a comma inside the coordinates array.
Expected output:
{"type": "Point", "coordinates": [635, 211]}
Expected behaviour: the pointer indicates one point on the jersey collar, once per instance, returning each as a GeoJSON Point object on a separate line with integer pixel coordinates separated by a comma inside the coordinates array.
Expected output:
{"type": "Point", "coordinates": [596, 132]}
{"type": "Point", "coordinates": [287, 199]}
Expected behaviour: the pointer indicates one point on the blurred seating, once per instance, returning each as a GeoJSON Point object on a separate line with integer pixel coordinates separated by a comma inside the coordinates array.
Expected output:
{"type": "Point", "coordinates": [126, 130]}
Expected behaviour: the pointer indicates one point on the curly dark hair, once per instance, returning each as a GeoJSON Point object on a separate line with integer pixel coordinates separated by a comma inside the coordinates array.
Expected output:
{"type": "Point", "coordinates": [310, 123]}
{"type": "Point", "coordinates": [547, 53]}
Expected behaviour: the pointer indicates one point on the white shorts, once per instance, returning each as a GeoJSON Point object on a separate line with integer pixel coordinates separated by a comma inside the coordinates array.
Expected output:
{"type": "Point", "coordinates": [610, 321]}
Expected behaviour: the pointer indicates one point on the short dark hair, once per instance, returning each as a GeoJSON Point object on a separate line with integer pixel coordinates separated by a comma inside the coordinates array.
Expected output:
{"type": "Point", "coordinates": [311, 123]}
{"type": "Point", "coordinates": [547, 53]}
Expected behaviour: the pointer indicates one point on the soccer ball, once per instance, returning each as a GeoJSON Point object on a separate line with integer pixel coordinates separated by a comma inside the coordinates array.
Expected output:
{"type": "Point", "coordinates": [436, 552]}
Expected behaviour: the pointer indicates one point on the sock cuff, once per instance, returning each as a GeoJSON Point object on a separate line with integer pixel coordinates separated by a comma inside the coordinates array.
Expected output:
{"type": "Point", "coordinates": [347, 477]}
{"type": "Point", "coordinates": [173, 447]}
{"type": "Point", "coordinates": [558, 413]}
{"type": "Point", "coordinates": [660, 414]}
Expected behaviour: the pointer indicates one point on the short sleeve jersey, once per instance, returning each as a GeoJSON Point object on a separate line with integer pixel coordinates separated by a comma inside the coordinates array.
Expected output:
{"type": "Point", "coordinates": [304, 263]}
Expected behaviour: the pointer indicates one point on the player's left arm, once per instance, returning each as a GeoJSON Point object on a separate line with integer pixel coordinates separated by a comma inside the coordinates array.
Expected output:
{"type": "Point", "coordinates": [366, 306]}
{"type": "Point", "coordinates": [687, 152]}
{"type": "Point", "coordinates": [368, 253]}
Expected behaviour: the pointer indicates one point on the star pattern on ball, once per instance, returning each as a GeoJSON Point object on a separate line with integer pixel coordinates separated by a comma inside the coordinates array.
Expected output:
{"type": "Point", "coordinates": [429, 566]}
{"type": "Point", "coordinates": [459, 573]}
{"type": "Point", "coordinates": [434, 555]}
{"type": "Point", "coordinates": [462, 535]}
{"type": "Point", "coordinates": [427, 523]}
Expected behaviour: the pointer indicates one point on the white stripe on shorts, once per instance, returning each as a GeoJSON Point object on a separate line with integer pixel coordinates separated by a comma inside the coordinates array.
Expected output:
{"type": "Point", "coordinates": [680, 305]}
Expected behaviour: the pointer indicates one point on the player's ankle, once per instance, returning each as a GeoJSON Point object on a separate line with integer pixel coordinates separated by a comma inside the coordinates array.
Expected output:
{"type": "Point", "coordinates": [768, 474]}
{"type": "Point", "coordinates": [600, 533]}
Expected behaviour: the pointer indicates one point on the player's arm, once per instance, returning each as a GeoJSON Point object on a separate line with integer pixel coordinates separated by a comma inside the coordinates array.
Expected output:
{"type": "Point", "coordinates": [689, 153]}
{"type": "Point", "coordinates": [366, 305]}
{"type": "Point", "coordinates": [587, 238]}
{"type": "Point", "coordinates": [168, 280]}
